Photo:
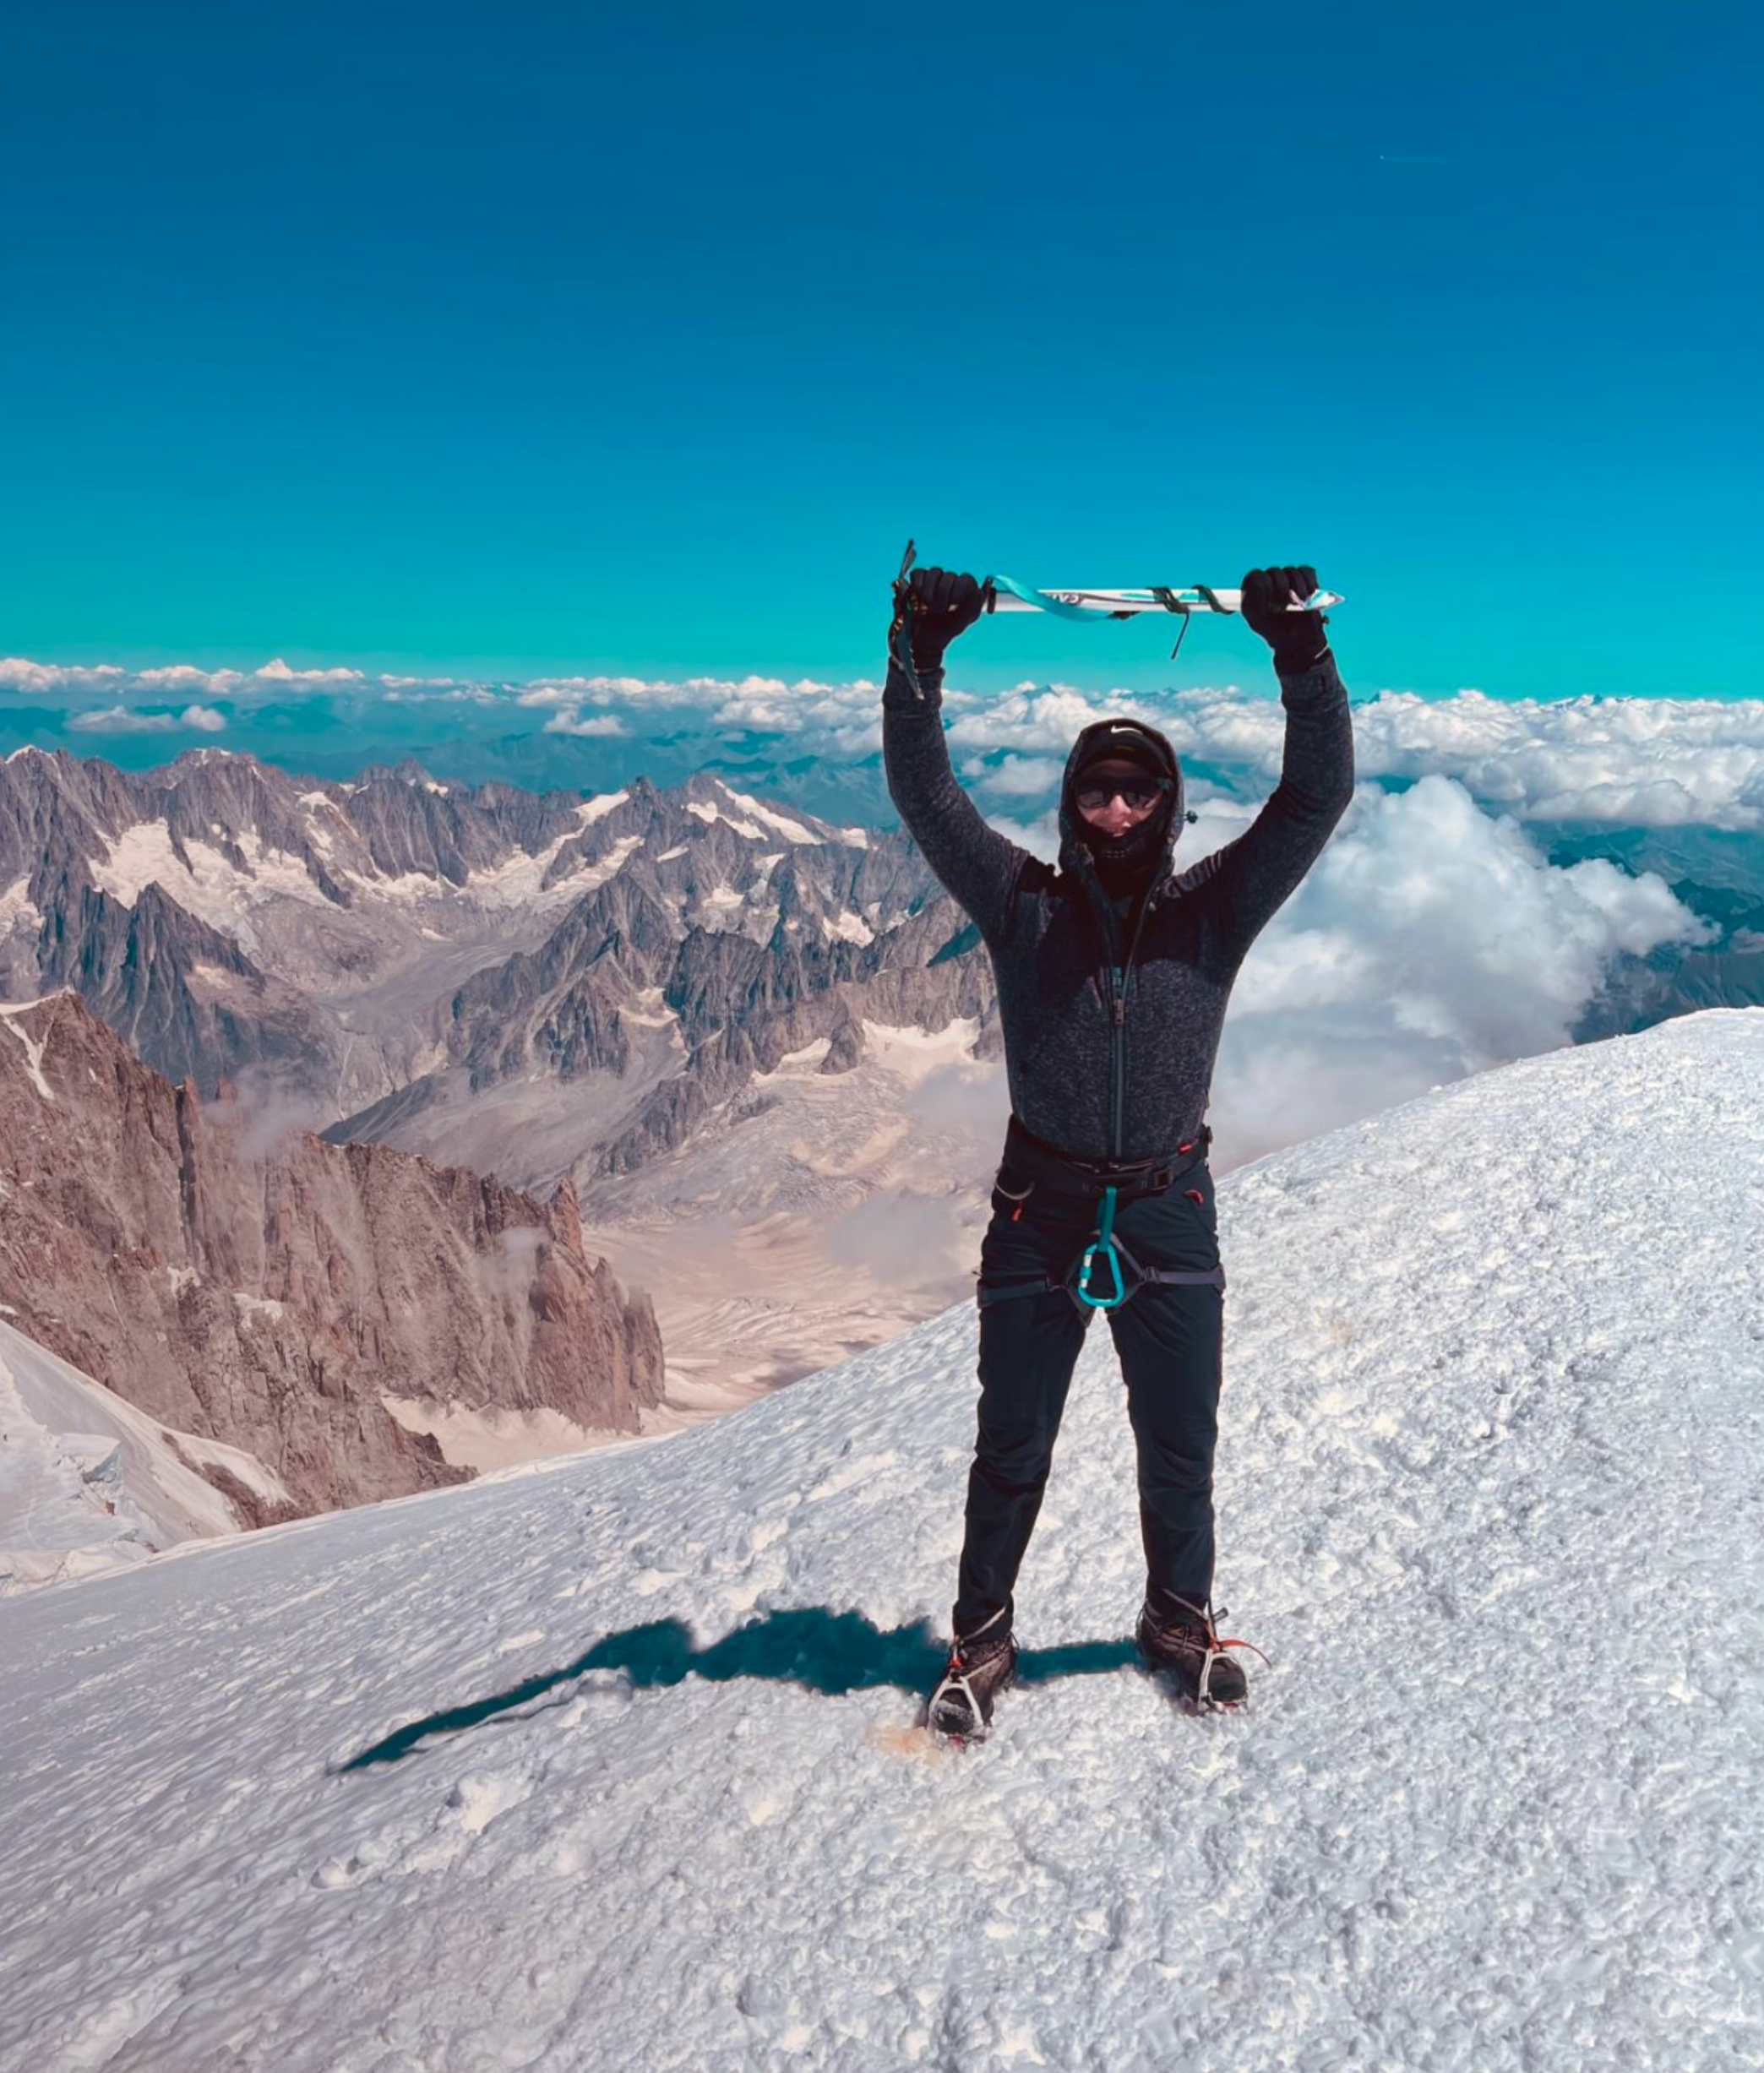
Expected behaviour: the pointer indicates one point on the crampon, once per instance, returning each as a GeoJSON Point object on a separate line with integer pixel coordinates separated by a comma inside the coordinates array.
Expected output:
{"type": "Point", "coordinates": [959, 1708]}
{"type": "Point", "coordinates": [1188, 1655]}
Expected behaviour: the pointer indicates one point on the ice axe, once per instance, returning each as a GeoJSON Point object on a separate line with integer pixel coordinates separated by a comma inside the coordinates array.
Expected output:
{"type": "Point", "coordinates": [1006, 594]}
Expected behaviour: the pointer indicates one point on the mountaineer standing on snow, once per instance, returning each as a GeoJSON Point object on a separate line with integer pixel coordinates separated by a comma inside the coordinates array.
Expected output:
{"type": "Point", "coordinates": [1112, 974]}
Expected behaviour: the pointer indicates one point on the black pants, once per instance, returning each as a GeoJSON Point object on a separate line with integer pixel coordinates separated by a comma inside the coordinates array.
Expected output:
{"type": "Point", "coordinates": [1170, 1342]}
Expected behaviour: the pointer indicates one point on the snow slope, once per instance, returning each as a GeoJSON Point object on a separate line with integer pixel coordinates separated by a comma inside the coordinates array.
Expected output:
{"type": "Point", "coordinates": [88, 1483]}
{"type": "Point", "coordinates": [607, 1763]}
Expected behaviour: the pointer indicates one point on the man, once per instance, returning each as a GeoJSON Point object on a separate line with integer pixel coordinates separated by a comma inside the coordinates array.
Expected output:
{"type": "Point", "coordinates": [1112, 976]}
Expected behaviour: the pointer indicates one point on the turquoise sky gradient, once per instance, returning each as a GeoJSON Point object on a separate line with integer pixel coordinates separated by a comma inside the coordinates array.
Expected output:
{"type": "Point", "coordinates": [525, 338]}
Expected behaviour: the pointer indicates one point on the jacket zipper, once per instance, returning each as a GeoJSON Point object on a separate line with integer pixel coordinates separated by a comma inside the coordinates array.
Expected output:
{"type": "Point", "coordinates": [1118, 1058]}
{"type": "Point", "coordinates": [1120, 976]}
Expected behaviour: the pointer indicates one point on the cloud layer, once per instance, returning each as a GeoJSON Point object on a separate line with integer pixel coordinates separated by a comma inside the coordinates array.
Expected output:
{"type": "Point", "coordinates": [1652, 763]}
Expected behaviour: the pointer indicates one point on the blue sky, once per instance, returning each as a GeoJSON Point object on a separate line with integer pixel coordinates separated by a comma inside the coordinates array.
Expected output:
{"type": "Point", "coordinates": [528, 339]}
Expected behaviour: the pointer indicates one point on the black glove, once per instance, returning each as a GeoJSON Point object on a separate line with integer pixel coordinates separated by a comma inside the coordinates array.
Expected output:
{"type": "Point", "coordinates": [939, 604]}
{"type": "Point", "coordinates": [1297, 638]}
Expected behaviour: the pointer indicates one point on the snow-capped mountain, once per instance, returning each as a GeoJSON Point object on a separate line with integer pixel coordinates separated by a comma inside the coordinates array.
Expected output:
{"type": "Point", "coordinates": [665, 987]}
{"type": "Point", "coordinates": [396, 948]}
{"type": "Point", "coordinates": [360, 1321]}
{"type": "Point", "coordinates": [223, 916]}
{"type": "Point", "coordinates": [611, 1763]}
{"type": "Point", "coordinates": [756, 1042]}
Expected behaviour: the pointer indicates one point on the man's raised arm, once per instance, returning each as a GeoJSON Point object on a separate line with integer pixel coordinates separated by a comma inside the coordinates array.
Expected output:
{"type": "Point", "coordinates": [975, 864]}
{"type": "Point", "coordinates": [1246, 882]}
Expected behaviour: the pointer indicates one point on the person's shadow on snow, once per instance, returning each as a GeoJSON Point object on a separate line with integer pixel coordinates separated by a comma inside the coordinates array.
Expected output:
{"type": "Point", "coordinates": [823, 1651]}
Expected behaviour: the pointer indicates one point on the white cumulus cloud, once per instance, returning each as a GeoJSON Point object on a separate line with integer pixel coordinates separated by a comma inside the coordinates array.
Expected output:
{"type": "Point", "coordinates": [278, 672]}
{"type": "Point", "coordinates": [19, 673]}
{"type": "Point", "coordinates": [1016, 776]}
{"type": "Point", "coordinates": [575, 721]}
{"type": "Point", "coordinates": [122, 719]}
{"type": "Point", "coordinates": [131, 720]}
{"type": "Point", "coordinates": [185, 677]}
{"type": "Point", "coordinates": [1431, 940]}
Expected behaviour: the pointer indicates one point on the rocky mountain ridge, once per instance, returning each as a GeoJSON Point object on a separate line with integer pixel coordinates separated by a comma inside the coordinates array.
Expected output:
{"type": "Point", "coordinates": [375, 948]}
{"type": "Point", "coordinates": [307, 1302]}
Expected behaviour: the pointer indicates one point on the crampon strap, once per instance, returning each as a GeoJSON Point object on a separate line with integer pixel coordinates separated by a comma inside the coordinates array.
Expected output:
{"type": "Point", "coordinates": [1216, 1644]}
{"type": "Point", "coordinates": [955, 1679]}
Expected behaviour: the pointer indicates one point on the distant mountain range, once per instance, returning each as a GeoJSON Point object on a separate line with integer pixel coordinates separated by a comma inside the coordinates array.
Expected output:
{"type": "Point", "coordinates": [761, 1045]}
{"type": "Point", "coordinates": [396, 936]}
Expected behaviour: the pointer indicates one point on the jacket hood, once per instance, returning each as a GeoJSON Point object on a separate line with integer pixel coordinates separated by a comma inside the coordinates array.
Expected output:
{"type": "Point", "coordinates": [1099, 738]}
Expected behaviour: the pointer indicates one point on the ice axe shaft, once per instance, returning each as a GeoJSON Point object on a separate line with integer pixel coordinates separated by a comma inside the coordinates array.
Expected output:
{"type": "Point", "coordinates": [1006, 594]}
{"type": "Point", "coordinates": [1010, 595]}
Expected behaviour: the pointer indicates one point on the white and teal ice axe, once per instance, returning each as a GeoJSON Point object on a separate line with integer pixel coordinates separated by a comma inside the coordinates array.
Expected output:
{"type": "Point", "coordinates": [1006, 594]}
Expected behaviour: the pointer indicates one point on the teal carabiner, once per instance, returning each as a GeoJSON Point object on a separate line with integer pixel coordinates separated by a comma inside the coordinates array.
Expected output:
{"type": "Point", "coordinates": [1103, 1243]}
{"type": "Point", "coordinates": [1083, 1290]}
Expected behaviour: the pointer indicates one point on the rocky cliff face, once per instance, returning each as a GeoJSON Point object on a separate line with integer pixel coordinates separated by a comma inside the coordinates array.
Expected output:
{"type": "Point", "coordinates": [271, 1291]}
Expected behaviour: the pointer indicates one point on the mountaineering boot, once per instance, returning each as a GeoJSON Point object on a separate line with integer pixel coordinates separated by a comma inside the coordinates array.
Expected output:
{"type": "Point", "coordinates": [981, 1665]}
{"type": "Point", "coordinates": [1185, 1640]}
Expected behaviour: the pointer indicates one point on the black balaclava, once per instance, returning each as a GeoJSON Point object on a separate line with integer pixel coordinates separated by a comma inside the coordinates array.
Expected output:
{"type": "Point", "coordinates": [1126, 862]}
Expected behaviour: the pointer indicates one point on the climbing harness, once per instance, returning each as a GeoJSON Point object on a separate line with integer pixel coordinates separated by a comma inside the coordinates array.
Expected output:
{"type": "Point", "coordinates": [1006, 594]}
{"type": "Point", "coordinates": [1104, 1244]}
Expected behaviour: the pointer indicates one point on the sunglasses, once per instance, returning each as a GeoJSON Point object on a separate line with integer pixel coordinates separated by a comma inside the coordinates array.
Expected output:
{"type": "Point", "coordinates": [1137, 793]}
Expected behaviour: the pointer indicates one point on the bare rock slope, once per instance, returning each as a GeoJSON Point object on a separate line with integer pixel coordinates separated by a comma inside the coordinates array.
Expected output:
{"type": "Point", "coordinates": [273, 1294]}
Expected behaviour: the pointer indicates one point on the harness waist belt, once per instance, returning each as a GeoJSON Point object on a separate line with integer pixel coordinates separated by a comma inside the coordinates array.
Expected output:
{"type": "Point", "coordinates": [1129, 1178]}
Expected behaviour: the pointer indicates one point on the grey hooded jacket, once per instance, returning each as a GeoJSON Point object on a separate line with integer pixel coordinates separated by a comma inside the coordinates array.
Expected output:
{"type": "Point", "coordinates": [1110, 1012]}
